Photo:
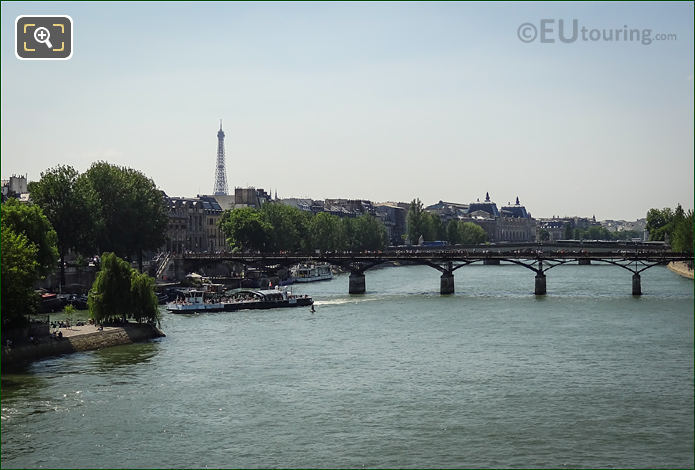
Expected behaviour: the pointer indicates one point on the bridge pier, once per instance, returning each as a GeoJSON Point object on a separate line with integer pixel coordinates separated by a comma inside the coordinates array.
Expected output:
{"type": "Point", "coordinates": [446, 283]}
{"type": "Point", "coordinates": [636, 284]}
{"type": "Point", "coordinates": [357, 282]}
{"type": "Point", "coordinates": [584, 262]}
{"type": "Point", "coordinates": [540, 284]}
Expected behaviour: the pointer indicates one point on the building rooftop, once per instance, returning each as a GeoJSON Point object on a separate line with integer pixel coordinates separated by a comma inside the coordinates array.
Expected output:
{"type": "Point", "coordinates": [486, 206]}
{"type": "Point", "coordinates": [516, 210]}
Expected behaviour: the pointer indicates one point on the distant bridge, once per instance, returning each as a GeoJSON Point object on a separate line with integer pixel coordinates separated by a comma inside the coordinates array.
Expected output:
{"type": "Point", "coordinates": [538, 258]}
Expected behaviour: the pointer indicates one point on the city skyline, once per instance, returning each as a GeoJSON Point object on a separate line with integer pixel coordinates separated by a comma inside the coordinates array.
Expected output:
{"type": "Point", "coordinates": [386, 102]}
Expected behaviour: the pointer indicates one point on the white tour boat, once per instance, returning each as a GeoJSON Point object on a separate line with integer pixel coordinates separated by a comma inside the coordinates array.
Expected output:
{"type": "Point", "coordinates": [311, 273]}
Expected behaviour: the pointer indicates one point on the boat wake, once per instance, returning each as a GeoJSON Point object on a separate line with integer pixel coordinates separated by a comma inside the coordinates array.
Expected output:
{"type": "Point", "coordinates": [319, 303]}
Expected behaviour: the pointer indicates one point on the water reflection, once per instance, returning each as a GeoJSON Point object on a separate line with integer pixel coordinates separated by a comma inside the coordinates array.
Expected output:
{"type": "Point", "coordinates": [21, 385]}
{"type": "Point", "coordinates": [121, 357]}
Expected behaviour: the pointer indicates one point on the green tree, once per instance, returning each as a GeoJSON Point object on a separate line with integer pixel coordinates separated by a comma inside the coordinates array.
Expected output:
{"type": "Point", "coordinates": [289, 226]}
{"type": "Point", "coordinates": [415, 221]}
{"type": "Point", "coordinates": [29, 220]}
{"type": "Point", "coordinates": [370, 233]}
{"type": "Point", "coordinates": [543, 235]}
{"type": "Point", "coordinates": [148, 213]}
{"type": "Point", "coordinates": [472, 234]}
{"type": "Point", "coordinates": [326, 233]}
{"type": "Point", "coordinates": [246, 229]}
{"type": "Point", "coordinates": [143, 299]}
{"type": "Point", "coordinates": [109, 296]}
{"type": "Point", "coordinates": [432, 228]}
{"type": "Point", "coordinates": [595, 232]}
{"type": "Point", "coordinates": [659, 223]}
{"type": "Point", "coordinates": [453, 232]}
{"type": "Point", "coordinates": [132, 213]}
{"type": "Point", "coordinates": [626, 235]}
{"type": "Point", "coordinates": [348, 229]}
{"type": "Point", "coordinates": [19, 273]}
{"type": "Point", "coordinates": [119, 291]}
{"type": "Point", "coordinates": [682, 238]}
{"type": "Point", "coordinates": [70, 208]}
{"type": "Point", "coordinates": [107, 183]}
{"type": "Point", "coordinates": [69, 311]}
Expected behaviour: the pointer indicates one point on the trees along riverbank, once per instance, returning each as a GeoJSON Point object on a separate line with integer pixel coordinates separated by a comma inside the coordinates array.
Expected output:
{"type": "Point", "coordinates": [28, 253]}
{"type": "Point", "coordinates": [106, 209]}
{"type": "Point", "coordinates": [278, 227]}
{"type": "Point", "coordinates": [120, 292]}
{"type": "Point", "coordinates": [674, 225]}
{"type": "Point", "coordinates": [429, 226]}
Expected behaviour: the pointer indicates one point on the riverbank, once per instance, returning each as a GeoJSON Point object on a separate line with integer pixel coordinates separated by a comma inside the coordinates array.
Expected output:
{"type": "Point", "coordinates": [681, 268]}
{"type": "Point", "coordinates": [80, 338]}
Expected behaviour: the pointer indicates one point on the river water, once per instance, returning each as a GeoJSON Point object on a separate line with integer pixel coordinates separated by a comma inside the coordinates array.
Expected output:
{"type": "Point", "coordinates": [587, 376]}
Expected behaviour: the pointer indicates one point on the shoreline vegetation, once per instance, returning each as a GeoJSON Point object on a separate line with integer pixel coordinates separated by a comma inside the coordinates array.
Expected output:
{"type": "Point", "coordinates": [681, 268]}
{"type": "Point", "coordinates": [78, 339]}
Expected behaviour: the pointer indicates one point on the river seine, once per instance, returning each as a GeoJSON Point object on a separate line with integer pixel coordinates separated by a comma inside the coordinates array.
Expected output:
{"type": "Point", "coordinates": [587, 376]}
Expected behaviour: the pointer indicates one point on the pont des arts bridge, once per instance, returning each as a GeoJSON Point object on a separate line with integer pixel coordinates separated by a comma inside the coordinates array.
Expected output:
{"type": "Point", "coordinates": [538, 258]}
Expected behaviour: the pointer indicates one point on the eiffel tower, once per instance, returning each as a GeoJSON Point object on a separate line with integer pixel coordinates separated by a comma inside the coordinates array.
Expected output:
{"type": "Point", "coordinates": [220, 172]}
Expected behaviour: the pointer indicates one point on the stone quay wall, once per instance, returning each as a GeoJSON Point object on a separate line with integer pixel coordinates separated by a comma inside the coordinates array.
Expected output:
{"type": "Point", "coordinates": [128, 334]}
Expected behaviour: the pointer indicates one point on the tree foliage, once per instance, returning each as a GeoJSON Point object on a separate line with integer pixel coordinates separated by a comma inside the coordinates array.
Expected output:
{"type": "Point", "coordinates": [29, 220]}
{"type": "Point", "coordinates": [289, 227]}
{"type": "Point", "coordinates": [415, 221]}
{"type": "Point", "coordinates": [277, 227]}
{"type": "Point", "coordinates": [28, 253]}
{"type": "Point", "coordinates": [433, 229]}
{"type": "Point", "coordinates": [466, 233]}
{"type": "Point", "coordinates": [472, 234]}
{"type": "Point", "coordinates": [659, 223]}
{"type": "Point", "coordinates": [142, 297]}
{"type": "Point", "coordinates": [676, 225]}
{"type": "Point", "coordinates": [107, 208]}
{"type": "Point", "coordinates": [132, 213]}
{"type": "Point", "coordinates": [19, 272]}
{"type": "Point", "coordinates": [70, 207]}
{"type": "Point", "coordinates": [452, 232]}
{"type": "Point", "coordinates": [682, 235]}
{"type": "Point", "coordinates": [325, 232]}
{"type": "Point", "coordinates": [121, 292]}
{"type": "Point", "coordinates": [362, 233]}
{"type": "Point", "coordinates": [595, 232]}
{"type": "Point", "coordinates": [147, 211]}
{"type": "Point", "coordinates": [246, 229]}
{"type": "Point", "coordinates": [425, 224]}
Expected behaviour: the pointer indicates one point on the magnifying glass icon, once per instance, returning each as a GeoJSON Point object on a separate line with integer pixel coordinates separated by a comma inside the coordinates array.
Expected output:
{"type": "Point", "coordinates": [43, 35]}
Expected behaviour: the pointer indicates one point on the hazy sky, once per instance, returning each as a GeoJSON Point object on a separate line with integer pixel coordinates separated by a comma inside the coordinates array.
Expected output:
{"type": "Point", "coordinates": [379, 101]}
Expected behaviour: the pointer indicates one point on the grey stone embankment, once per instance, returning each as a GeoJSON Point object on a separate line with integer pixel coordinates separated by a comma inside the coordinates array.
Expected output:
{"type": "Point", "coordinates": [681, 268]}
{"type": "Point", "coordinates": [110, 336]}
